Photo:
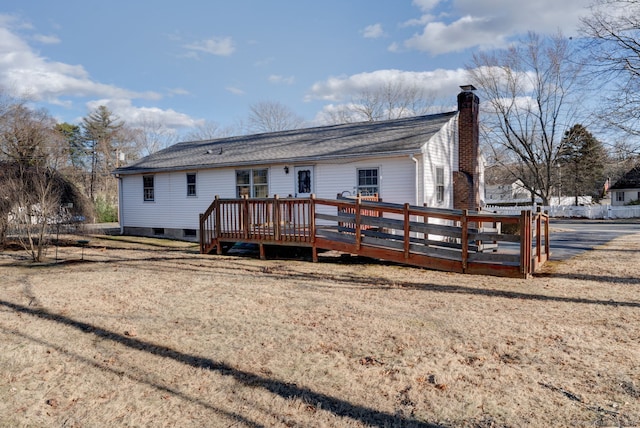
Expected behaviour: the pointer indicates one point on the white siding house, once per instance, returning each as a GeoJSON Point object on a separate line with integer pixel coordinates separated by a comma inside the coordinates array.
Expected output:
{"type": "Point", "coordinates": [627, 189]}
{"type": "Point", "coordinates": [409, 160]}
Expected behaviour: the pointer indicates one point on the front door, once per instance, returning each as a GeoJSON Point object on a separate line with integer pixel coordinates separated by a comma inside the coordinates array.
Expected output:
{"type": "Point", "coordinates": [304, 181]}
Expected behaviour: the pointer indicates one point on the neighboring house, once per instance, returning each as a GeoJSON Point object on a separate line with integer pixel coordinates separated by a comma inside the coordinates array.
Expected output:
{"type": "Point", "coordinates": [627, 189]}
{"type": "Point", "coordinates": [432, 160]}
{"type": "Point", "coordinates": [507, 192]}
{"type": "Point", "coordinates": [502, 188]}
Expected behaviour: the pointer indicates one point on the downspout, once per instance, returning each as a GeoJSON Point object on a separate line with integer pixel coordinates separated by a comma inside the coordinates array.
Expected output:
{"type": "Point", "coordinates": [120, 207]}
{"type": "Point", "coordinates": [413, 158]}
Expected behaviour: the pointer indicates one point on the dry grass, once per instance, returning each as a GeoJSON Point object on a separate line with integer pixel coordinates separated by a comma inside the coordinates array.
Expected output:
{"type": "Point", "coordinates": [150, 335]}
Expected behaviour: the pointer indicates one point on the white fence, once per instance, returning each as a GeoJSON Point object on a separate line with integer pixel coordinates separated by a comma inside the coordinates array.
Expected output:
{"type": "Point", "coordinates": [564, 211]}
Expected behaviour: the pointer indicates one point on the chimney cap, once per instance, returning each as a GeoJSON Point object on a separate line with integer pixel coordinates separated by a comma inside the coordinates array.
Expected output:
{"type": "Point", "coordinates": [468, 88]}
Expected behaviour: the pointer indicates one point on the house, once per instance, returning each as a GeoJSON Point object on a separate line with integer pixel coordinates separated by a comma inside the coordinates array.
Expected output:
{"type": "Point", "coordinates": [431, 160]}
{"type": "Point", "coordinates": [512, 191]}
{"type": "Point", "coordinates": [501, 188]}
{"type": "Point", "coordinates": [627, 188]}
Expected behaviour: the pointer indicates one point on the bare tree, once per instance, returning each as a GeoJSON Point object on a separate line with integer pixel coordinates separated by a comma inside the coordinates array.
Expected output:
{"type": "Point", "coordinates": [25, 134]}
{"type": "Point", "coordinates": [392, 100]}
{"type": "Point", "coordinates": [528, 92]}
{"type": "Point", "coordinates": [150, 136]}
{"type": "Point", "coordinates": [36, 204]}
{"type": "Point", "coordinates": [208, 130]}
{"type": "Point", "coordinates": [613, 28]}
{"type": "Point", "coordinates": [269, 116]}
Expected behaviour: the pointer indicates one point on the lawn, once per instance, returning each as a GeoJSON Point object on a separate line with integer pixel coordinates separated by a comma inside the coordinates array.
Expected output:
{"type": "Point", "coordinates": [129, 332]}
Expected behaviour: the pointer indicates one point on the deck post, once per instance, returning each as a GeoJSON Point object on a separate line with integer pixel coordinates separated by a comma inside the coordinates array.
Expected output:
{"type": "Point", "coordinates": [464, 238]}
{"type": "Point", "coordinates": [407, 231]}
{"type": "Point", "coordinates": [525, 242]}
{"type": "Point", "coordinates": [358, 219]}
{"type": "Point", "coordinates": [201, 234]}
{"type": "Point", "coordinates": [245, 217]}
{"type": "Point", "coordinates": [546, 235]}
{"type": "Point", "coordinates": [277, 233]}
{"type": "Point", "coordinates": [312, 227]}
{"type": "Point", "coordinates": [217, 226]}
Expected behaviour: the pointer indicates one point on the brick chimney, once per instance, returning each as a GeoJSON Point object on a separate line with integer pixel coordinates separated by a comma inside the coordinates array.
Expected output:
{"type": "Point", "coordinates": [466, 181]}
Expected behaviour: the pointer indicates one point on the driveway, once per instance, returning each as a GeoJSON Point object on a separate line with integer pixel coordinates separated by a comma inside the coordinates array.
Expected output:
{"type": "Point", "coordinates": [572, 237]}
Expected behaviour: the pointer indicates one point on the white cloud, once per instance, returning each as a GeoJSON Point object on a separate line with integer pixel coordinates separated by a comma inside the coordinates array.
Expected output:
{"type": "Point", "coordinates": [469, 23]}
{"type": "Point", "coordinates": [468, 31]}
{"type": "Point", "coordinates": [264, 61]}
{"type": "Point", "coordinates": [178, 91]}
{"type": "Point", "coordinates": [374, 31]}
{"type": "Point", "coordinates": [441, 83]}
{"type": "Point", "coordinates": [278, 79]}
{"type": "Point", "coordinates": [139, 116]}
{"type": "Point", "coordinates": [24, 73]}
{"type": "Point", "coordinates": [222, 46]}
{"type": "Point", "coordinates": [426, 5]}
{"type": "Point", "coordinates": [235, 90]}
{"type": "Point", "coordinates": [47, 40]}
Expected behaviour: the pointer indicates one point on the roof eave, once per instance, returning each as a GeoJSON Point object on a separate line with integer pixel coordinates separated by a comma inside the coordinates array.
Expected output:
{"type": "Point", "coordinates": [305, 159]}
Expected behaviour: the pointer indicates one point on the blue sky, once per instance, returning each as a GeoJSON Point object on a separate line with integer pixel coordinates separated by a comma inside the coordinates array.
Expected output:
{"type": "Point", "coordinates": [181, 63]}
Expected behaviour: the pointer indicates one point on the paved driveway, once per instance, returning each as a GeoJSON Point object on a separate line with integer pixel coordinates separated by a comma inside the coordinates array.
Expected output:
{"type": "Point", "coordinates": [572, 237]}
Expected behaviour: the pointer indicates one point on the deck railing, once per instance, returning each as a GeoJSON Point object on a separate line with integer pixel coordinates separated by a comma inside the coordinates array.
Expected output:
{"type": "Point", "coordinates": [451, 240]}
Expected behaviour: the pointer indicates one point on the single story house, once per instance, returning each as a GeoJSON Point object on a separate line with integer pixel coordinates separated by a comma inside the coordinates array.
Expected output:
{"type": "Point", "coordinates": [512, 191]}
{"type": "Point", "coordinates": [627, 188]}
{"type": "Point", "coordinates": [431, 160]}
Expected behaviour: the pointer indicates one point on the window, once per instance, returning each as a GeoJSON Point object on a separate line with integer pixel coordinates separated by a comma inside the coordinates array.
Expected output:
{"type": "Point", "coordinates": [439, 185]}
{"type": "Point", "coordinates": [158, 231]}
{"type": "Point", "coordinates": [620, 196]}
{"type": "Point", "coordinates": [147, 185]}
{"type": "Point", "coordinates": [191, 184]}
{"type": "Point", "coordinates": [189, 233]}
{"type": "Point", "coordinates": [304, 181]}
{"type": "Point", "coordinates": [368, 183]}
{"type": "Point", "coordinates": [252, 183]}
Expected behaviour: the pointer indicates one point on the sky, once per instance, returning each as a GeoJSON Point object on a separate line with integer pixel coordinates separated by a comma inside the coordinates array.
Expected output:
{"type": "Point", "coordinates": [184, 63]}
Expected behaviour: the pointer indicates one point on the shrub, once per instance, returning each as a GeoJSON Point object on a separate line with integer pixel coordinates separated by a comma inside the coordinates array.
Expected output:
{"type": "Point", "coordinates": [106, 212]}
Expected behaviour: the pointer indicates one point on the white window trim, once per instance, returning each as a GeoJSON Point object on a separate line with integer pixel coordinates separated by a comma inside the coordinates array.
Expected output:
{"type": "Point", "coordinates": [251, 182]}
{"type": "Point", "coordinates": [152, 188]}
{"type": "Point", "coordinates": [439, 186]}
{"type": "Point", "coordinates": [195, 184]}
{"type": "Point", "coordinates": [379, 179]}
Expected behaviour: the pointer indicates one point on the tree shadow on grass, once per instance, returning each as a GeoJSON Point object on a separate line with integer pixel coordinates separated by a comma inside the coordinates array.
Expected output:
{"type": "Point", "coordinates": [162, 388]}
{"type": "Point", "coordinates": [384, 283]}
{"type": "Point", "coordinates": [285, 390]}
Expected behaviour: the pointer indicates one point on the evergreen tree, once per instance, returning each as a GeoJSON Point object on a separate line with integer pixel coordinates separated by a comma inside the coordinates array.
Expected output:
{"type": "Point", "coordinates": [582, 160]}
{"type": "Point", "coordinates": [100, 131]}
{"type": "Point", "coordinates": [72, 136]}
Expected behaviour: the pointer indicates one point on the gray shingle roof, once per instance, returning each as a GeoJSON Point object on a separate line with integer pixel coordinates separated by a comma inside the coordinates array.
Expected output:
{"type": "Point", "coordinates": [364, 139]}
{"type": "Point", "coordinates": [631, 180]}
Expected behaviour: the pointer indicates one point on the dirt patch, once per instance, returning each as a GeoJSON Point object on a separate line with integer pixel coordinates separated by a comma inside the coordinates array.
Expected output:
{"type": "Point", "coordinates": [129, 332]}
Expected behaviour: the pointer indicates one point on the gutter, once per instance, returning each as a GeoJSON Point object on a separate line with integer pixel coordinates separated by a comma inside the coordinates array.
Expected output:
{"type": "Point", "coordinates": [132, 170]}
{"type": "Point", "coordinates": [413, 158]}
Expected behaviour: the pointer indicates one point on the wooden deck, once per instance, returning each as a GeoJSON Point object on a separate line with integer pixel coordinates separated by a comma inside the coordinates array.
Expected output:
{"type": "Point", "coordinates": [449, 240]}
